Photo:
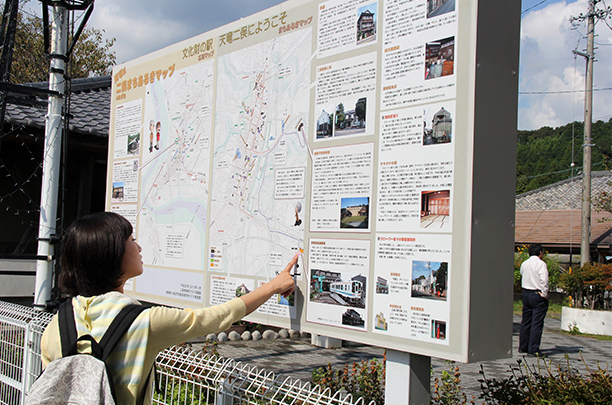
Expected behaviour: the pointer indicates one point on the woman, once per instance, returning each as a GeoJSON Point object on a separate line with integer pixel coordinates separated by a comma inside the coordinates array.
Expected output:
{"type": "Point", "coordinates": [99, 255]}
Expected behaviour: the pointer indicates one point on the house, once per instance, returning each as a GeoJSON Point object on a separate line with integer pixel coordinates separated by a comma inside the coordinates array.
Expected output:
{"type": "Point", "coordinates": [442, 126]}
{"type": "Point", "coordinates": [324, 128]}
{"type": "Point", "coordinates": [83, 183]}
{"type": "Point", "coordinates": [21, 151]}
{"type": "Point", "coordinates": [552, 216]}
{"type": "Point", "coordinates": [366, 26]}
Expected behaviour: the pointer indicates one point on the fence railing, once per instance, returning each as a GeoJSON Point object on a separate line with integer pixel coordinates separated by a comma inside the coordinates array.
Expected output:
{"type": "Point", "coordinates": [185, 376]}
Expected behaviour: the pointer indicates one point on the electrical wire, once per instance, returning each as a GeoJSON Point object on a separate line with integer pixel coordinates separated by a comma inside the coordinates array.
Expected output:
{"type": "Point", "coordinates": [561, 91]}
{"type": "Point", "coordinates": [532, 7]}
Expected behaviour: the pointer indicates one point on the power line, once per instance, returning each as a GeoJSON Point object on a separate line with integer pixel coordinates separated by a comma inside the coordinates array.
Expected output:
{"type": "Point", "coordinates": [532, 7]}
{"type": "Point", "coordinates": [557, 172]}
{"type": "Point", "coordinates": [562, 91]}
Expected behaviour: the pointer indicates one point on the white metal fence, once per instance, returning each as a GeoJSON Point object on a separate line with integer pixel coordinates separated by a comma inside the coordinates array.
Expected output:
{"type": "Point", "coordinates": [185, 376]}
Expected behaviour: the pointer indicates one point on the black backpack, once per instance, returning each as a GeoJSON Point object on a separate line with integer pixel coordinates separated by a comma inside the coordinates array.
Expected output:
{"type": "Point", "coordinates": [81, 378]}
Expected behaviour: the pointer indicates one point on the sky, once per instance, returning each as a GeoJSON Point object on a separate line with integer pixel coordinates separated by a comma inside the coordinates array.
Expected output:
{"type": "Point", "coordinates": [547, 64]}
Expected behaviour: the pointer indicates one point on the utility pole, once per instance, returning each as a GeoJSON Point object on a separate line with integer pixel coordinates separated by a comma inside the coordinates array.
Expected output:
{"type": "Point", "coordinates": [51, 158]}
{"type": "Point", "coordinates": [585, 232]}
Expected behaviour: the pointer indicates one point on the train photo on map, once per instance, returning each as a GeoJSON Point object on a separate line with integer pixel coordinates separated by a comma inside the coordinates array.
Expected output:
{"type": "Point", "coordinates": [351, 290]}
{"type": "Point", "coordinates": [338, 288]}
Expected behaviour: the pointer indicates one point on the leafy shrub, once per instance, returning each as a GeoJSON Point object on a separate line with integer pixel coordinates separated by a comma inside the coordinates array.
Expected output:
{"type": "Point", "coordinates": [588, 284]}
{"type": "Point", "coordinates": [547, 385]}
{"type": "Point", "coordinates": [365, 379]}
{"type": "Point", "coordinates": [552, 263]}
{"type": "Point", "coordinates": [574, 329]}
{"type": "Point", "coordinates": [447, 388]}
{"type": "Point", "coordinates": [541, 384]}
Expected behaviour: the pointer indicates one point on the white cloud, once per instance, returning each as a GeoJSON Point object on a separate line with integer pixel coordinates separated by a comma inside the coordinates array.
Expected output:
{"type": "Point", "coordinates": [143, 26]}
{"type": "Point", "coordinates": [137, 33]}
{"type": "Point", "coordinates": [548, 65]}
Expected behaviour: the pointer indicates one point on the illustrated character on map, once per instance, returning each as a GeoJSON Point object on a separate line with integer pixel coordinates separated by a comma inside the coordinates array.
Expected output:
{"type": "Point", "coordinates": [151, 129]}
{"type": "Point", "coordinates": [158, 127]}
{"type": "Point", "coordinates": [298, 208]}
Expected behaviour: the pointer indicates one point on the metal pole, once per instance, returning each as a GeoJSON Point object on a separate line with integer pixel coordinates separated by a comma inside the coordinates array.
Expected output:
{"type": "Point", "coordinates": [585, 235]}
{"type": "Point", "coordinates": [51, 159]}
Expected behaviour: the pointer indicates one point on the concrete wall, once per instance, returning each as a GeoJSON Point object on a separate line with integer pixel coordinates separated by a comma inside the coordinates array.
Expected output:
{"type": "Point", "coordinates": [17, 286]}
{"type": "Point", "coordinates": [587, 320]}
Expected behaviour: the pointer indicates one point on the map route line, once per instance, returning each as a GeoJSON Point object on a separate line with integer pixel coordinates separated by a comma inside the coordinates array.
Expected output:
{"type": "Point", "coordinates": [150, 190]}
{"type": "Point", "coordinates": [158, 155]}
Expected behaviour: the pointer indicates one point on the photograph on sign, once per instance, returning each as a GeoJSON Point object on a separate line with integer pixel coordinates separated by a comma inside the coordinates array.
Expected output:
{"type": "Point", "coordinates": [437, 8]}
{"type": "Point", "coordinates": [438, 126]}
{"type": "Point", "coordinates": [355, 212]}
{"type": "Point", "coordinates": [429, 280]}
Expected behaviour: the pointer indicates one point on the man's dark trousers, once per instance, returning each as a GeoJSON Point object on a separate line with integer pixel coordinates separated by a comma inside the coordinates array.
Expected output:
{"type": "Point", "coordinates": [534, 312]}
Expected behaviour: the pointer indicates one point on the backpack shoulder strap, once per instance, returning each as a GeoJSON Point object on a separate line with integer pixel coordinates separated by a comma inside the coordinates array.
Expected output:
{"type": "Point", "coordinates": [118, 328]}
{"type": "Point", "coordinates": [67, 327]}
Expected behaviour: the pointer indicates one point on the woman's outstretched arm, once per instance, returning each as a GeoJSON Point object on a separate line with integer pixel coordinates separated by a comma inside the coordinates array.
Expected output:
{"type": "Point", "coordinates": [281, 284]}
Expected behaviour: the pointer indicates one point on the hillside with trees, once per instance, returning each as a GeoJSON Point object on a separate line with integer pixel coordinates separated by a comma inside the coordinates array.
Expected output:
{"type": "Point", "coordinates": [544, 156]}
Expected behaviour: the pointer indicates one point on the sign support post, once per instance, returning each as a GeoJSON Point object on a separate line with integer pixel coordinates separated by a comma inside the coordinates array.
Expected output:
{"type": "Point", "coordinates": [407, 379]}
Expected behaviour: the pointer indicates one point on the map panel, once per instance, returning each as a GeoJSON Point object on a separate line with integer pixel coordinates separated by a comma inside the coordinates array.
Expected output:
{"type": "Point", "coordinates": [175, 169]}
{"type": "Point", "coordinates": [260, 156]}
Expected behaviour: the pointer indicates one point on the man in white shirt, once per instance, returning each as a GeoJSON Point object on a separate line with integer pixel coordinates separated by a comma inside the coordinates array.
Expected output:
{"type": "Point", "coordinates": [535, 300]}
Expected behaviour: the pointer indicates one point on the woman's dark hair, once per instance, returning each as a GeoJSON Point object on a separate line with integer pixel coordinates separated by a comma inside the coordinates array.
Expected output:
{"type": "Point", "coordinates": [92, 251]}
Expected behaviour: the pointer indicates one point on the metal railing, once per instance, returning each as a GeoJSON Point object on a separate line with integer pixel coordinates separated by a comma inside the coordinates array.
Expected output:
{"type": "Point", "coordinates": [185, 376]}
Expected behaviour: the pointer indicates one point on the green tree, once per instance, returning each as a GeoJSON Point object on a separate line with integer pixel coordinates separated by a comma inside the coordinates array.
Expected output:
{"type": "Point", "coordinates": [92, 54]}
{"type": "Point", "coordinates": [552, 263]}
{"type": "Point", "coordinates": [441, 277]}
{"type": "Point", "coordinates": [340, 117]}
{"type": "Point", "coordinates": [360, 109]}
{"type": "Point", "coordinates": [544, 156]}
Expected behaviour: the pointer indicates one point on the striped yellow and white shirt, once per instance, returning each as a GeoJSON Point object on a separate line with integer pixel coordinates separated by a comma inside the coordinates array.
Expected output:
{"type": "Point", "coordinates": [153, 330]}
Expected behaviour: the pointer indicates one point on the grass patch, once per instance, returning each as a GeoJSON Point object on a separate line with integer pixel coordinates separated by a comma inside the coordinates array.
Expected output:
{"type": "Point", "coordinates": [554, 310]}
{"type": "Point", "coordinates": [587, 335]}
{"type": "Point", "coordinates": [359, 218]}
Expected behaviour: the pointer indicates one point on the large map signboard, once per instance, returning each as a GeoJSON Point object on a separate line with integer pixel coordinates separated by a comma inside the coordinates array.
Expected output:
{"type": "Point", "coordinates": [360, 133]}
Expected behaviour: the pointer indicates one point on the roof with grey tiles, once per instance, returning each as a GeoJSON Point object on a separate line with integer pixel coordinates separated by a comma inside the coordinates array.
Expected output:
{"type": "Point", "coordinates": [89, 107]}
{"type": "Point", "coordinates": [563, 195]}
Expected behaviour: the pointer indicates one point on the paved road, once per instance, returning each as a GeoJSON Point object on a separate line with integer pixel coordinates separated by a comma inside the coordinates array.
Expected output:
{"type": "Point", "coordinates": [297, 358]}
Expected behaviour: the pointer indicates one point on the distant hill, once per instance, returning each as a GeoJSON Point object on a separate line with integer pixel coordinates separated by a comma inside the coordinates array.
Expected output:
{"type": "Point", "coordinates": [544, 156]}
